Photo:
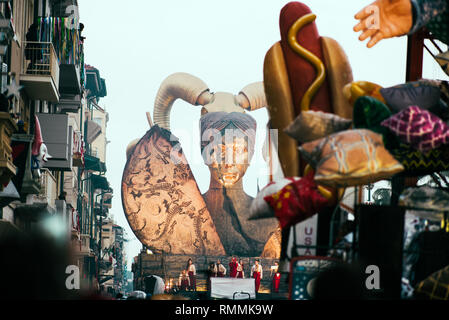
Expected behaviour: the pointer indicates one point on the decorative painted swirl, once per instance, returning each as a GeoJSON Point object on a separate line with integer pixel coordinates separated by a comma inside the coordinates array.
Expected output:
{"type": "Point", "coordinates": [308, 56]}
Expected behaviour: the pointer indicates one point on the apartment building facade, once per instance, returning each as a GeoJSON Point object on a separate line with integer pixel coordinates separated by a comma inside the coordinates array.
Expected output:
{"type": "Point", "coordinates": [52, 129]}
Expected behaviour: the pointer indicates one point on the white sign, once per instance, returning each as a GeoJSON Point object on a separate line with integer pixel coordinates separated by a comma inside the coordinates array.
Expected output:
{"type": "Point", "coordinates": [306, 235]}
{"type": "Point", "coordinates": [233, 288]}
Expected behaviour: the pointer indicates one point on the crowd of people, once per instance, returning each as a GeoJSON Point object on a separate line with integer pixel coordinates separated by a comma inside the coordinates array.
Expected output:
{"type": "Point", "coordinates": [187, 278]}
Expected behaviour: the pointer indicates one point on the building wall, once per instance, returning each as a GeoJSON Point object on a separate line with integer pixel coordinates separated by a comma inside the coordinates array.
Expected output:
{"type": "Point", "coordinates": [75, 182]}
{"type": "Point", "coordinates": [99, 145]}
{"type": "Point", "coordinates": [71, 178]}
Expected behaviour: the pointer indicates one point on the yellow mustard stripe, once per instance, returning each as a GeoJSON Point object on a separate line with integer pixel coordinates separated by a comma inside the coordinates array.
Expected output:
{"type": "Point", "coordinates": [308, 56]}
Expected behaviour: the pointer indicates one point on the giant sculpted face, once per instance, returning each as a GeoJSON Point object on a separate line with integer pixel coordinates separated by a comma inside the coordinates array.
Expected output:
{"type": "Point", "coordinates": [227, 145]}
{"type": "Point", "coordinates": [161, 198]}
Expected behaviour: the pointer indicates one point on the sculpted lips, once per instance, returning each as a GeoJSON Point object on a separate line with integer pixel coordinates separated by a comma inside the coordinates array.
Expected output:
{"type": "Point", "coordinates": [229, 178]}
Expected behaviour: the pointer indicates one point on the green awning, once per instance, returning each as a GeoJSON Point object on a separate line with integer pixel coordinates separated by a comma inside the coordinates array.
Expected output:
{"type": "Point", "coordinates": [99, 182]}
{"type": "Point", "coordinates": [93, 163]}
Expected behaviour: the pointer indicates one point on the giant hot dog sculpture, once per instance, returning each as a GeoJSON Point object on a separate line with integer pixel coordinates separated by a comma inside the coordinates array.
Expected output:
{"type": "Point", "coordinates": [303, 71]}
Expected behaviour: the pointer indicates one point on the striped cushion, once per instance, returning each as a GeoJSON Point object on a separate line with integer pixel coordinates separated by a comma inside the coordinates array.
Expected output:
{"type": "Point", "coordinates": [419, 128]}
{"type": "Point", "coordinates": [418, 163]}
{"type": "Point", "coordinates": [350, 158]}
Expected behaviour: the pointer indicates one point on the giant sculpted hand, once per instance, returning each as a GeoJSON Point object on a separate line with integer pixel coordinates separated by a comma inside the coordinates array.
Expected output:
{"type": "Point", "coordinates": [384, 19]}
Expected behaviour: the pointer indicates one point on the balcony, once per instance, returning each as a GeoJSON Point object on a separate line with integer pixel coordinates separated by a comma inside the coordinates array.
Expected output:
{"type": "Point", "coordinates": [6, 34]}
{"type": "Point", "coordinates": [40, 71]}
{"type": "Point", "coordinates": [48, 190]}
{"type": "Point", "coordinates": [24, 180]}
{"type": "Point", "coordinates": [94, 83]}
{"type": "Point", "coordinates": [68, 46]}
{"type": "Point", "coordinates": [82, 246]}
{"type": "Point", "coordinates": [6, 28]}
{"type": "Point", "coordinates": [69, 103]}
{"type": "Point", "coordinates": [69, 79]}
{"type": "Point", "coordinates": [7, 168]}
{"type": "Point", "coordinates": [78, 149]}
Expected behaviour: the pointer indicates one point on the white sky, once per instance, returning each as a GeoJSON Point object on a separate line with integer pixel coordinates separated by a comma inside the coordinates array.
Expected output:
{"type": "Point", "coordinates": [136, 44]}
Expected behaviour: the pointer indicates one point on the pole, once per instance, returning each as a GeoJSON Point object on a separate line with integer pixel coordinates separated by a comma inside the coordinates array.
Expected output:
{"type": "Point", "coordinates": [101, 223]}
{"type": "Point", "coordinates": [140, 265]}
{"type": "Point", "coordinates": [92, 205]}
{"type": "Point", "coordinates": [415, 52]}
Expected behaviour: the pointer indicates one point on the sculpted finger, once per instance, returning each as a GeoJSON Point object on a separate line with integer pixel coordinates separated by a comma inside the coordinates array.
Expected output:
{"type": "Point", "coordinates": [359, 27]}
{"type": "Point", "coordinates": [362, 14]}
{"type": "Point", "coordinates": [368, 33]}
{"type": "Point", "coordinates": [375, 39]}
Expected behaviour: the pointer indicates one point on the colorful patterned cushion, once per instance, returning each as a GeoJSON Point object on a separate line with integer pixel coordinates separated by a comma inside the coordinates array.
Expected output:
{"type": "Point", "coordinates": [418, 163]}
{"type": "Point", "coordinates": [423, 93]}
{"type": "Point", "coordinates": [435, 287]}
{"type": "Point", "coordinates": [369, 114]}
{"type": "Point", "coordinates": [350, 158]}
{"type": "Point", "coordinates": [259, 207]}
{"type": "Point", "coordinates": [297, 201]}
{"type": "Point", "coordinates": [419, 128]}
{"type": "Point", "coordinates": [312, 125]}
{"type": "Point", "coordinates": [427, 198]}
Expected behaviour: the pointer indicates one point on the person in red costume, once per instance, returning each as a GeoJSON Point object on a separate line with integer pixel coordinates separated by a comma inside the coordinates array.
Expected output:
{"type": "Point", "coordinates": [233, 267]}
{"type": "Point", "coordinates": [192, 274]}
{"type": "Point", "coordinates": [276, 277]}
{"type": "Point", "coordinates": [257, 273]}
{"type": "Point", "coordinates": [183, 282]}
{"type": "Point", "coordinates": [240, 273]}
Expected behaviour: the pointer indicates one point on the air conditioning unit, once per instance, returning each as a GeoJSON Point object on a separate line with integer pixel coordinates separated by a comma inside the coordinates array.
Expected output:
{"type": "Point", "coordinates": [58, 137]}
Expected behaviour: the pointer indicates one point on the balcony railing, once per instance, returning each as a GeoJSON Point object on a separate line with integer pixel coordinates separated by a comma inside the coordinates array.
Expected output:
{"type": "Point", "coordinates": [40, 71]}
{"type": "Point", "coordinates": [69, 48]}
{"type": "Point", "coordinates": [7, 168]}
{"type": "Point", "coordinates": [48, 188]}
{"type": "Point", "coordinates": [82, 246]}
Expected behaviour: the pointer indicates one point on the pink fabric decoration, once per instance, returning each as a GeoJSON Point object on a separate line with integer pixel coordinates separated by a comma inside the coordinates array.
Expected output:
{"type": "Point", "coordinates": [419, 128]}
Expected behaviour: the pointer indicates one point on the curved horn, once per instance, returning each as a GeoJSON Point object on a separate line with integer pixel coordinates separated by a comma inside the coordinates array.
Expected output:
{"type": "Point", "coordinates": [178, 86]}
{"type": "Point", "coordinates": [252, 97]}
